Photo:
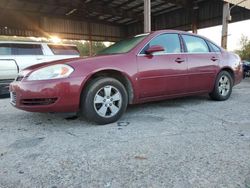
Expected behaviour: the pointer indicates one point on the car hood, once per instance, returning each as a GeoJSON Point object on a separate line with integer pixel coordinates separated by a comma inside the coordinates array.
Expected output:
{"type": "Point", "coordinates": [74, 62]}
{"type": "Point", "coordinates": [29, 69]}
{"type": "Point", "coordinates": [40, 65]}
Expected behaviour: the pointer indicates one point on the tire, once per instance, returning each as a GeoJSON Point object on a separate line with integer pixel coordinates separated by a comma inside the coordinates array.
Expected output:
{"type": "Point", "coordinates": [104, 101]}
{"type": "Point", "coordinates": [223, 87]}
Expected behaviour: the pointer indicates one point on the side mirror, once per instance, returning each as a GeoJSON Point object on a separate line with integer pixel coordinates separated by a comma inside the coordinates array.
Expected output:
{"type": "Point", "coordinates": [154, 48]}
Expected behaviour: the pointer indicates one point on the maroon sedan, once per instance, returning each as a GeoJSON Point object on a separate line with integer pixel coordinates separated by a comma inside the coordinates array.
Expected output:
{"type": "Point", "coordinates": [148, 67]}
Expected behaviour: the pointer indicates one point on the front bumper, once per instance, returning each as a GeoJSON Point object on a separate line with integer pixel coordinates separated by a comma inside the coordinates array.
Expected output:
{"type": "Point", "coordinates": [62, 95]}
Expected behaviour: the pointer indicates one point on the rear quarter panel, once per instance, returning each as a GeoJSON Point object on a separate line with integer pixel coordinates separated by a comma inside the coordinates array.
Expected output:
{"type": "Point", "coordinates": [232, 61]}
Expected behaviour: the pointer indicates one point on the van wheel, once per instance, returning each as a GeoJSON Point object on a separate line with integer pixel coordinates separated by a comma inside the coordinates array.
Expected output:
{"type": "Point", "coordinates": [104, 101]}
{"type": "Point", "coordinates": [223, 86]}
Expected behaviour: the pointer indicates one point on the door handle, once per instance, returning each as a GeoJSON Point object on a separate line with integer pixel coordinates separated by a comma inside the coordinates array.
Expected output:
{"type": "Point", "coordinates": [179, 60]}
{"type": "Point", "coordinates": [39, 58]}
{"type": "Point", "coordinates": [214, 59]}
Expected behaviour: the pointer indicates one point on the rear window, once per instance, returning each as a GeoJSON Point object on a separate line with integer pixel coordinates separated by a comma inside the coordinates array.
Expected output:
{"type": "Point", "coordinates": [5, 49]}
{"type": "Point", "coordinates": [20, 49]}
{"type": "Point", "coordinates": [195, 44]}
{"type": "Point", "coordinates": [214, 47]}
{"type": "Point", "coordinates": [64, 50]}
{"type": "Point", "coordinates": [26, 49]}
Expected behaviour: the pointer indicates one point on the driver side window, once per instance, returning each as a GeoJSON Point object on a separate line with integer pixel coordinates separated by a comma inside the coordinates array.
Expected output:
{"type": "Point", "coordinates": [170, 43]}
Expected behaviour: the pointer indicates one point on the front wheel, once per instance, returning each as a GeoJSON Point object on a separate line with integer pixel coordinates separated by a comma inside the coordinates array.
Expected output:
{"type": "Point", "coordinates": [223, 86]}
{"type": "Point", "coordinates": [104, 101]}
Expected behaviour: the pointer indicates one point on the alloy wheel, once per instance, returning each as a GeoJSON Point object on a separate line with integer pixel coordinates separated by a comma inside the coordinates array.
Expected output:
{"type": "Point", "coordinates": [224, 86]}
{"type": "Point", "coordinates": [107, 101]}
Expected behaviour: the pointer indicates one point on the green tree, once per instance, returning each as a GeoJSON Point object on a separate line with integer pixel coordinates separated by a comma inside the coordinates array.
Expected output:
{"type": "Point", "coordinates": [84, 47]}
{"type": "Point", "coordinates": [98, 46]}
{"type": "Point", "coordinates": [244, 51]}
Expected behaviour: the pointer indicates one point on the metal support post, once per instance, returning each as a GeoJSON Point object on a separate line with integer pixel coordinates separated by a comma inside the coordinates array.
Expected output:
{"type": "Point", "coordinates": [225, 21]}
{"type": "Point", "coordinates": [195, 14]}
{"type": "Point", "coordinates": [147, 16]}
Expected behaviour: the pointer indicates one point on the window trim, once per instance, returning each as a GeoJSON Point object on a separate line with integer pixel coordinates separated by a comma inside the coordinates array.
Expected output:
{"type": "Point", "coordinates": [186, 50]}
{"type": "Point", "coordinates": [211, 47]}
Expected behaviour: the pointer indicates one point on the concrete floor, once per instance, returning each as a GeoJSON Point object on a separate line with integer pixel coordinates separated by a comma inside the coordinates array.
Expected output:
{"type": "Point", "coordinates": [188, 142]}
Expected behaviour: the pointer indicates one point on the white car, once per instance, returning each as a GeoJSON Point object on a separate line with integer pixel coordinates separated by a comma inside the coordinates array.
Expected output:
{"type": "Point", "coordinates": [15, 56]}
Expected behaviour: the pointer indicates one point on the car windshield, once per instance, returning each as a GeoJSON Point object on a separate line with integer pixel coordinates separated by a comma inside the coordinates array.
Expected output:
{"type": "Point", "coordinates": [123, 46]}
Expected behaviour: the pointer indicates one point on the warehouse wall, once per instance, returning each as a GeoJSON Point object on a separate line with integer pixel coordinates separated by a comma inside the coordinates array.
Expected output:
{"type": "Point", "coordinates": [209, 14]}
{"type": "Point", "coordinates": [32, 25]}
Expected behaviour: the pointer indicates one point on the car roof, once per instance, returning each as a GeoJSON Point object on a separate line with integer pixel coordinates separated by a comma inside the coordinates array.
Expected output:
{"type": "Point", "coordinates": [183, 32]}
{"type": "Point", "coordinates": [175, 31]}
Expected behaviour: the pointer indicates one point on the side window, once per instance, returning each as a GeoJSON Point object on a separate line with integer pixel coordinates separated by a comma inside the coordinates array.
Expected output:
{"type": "Point", "coordinates": [5, 49]}
{"type": "Point", "coordinates": [214, 47]}
{"type": "Point", "coordinates": [195, 44]}
{"type": "Point", "coordinates": [64, 50]}
{"type": "Point", "coordinates": [27, 49]}
{"type": "Point", "coordinates": [170, 42]}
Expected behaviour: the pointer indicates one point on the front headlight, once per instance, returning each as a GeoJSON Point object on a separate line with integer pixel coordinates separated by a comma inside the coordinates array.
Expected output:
{"type": "Point", "coordinates": [51, 72]}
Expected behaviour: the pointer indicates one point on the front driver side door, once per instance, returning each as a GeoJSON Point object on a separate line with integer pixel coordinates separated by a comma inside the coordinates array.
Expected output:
{"type": "Point", "coordinates": [163, 73]}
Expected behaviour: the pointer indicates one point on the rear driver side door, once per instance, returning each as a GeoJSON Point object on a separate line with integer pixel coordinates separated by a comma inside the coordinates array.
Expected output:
{"type": "Point", "coordinates": [202, 64]}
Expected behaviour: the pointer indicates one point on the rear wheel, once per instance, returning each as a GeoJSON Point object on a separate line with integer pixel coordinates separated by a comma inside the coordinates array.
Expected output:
{"type": "Point", "coordinates": [223, 86]}
{"type": "Point", "coordinates": [104, 101]}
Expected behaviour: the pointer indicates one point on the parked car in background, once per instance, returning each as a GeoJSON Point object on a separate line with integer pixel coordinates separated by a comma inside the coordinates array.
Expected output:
{"type": "Point", "coordinates": [246, 67]}
{"type": "Point", "coordinates": [16, 56]}
{"type": "Point", "coordinates": [155, 66]}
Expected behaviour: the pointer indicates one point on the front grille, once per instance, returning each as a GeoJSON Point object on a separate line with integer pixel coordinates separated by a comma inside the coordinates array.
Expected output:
{"type": "Point", "coordinates": [35, 102]}
{"type": "Point", "coordinates": [13, 98]}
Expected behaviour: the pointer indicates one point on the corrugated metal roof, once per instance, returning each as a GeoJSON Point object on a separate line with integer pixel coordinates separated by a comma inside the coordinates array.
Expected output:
{"type": "Point", "coordinates": [109, 11]}
{"type": "Point", "coordinates": [241, 3]}
{"type": "Point", "coordinates": [101, 19]}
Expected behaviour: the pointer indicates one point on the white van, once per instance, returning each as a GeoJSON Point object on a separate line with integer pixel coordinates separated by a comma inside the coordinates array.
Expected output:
{"type": "Point", "coordinates": [15, 56]}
